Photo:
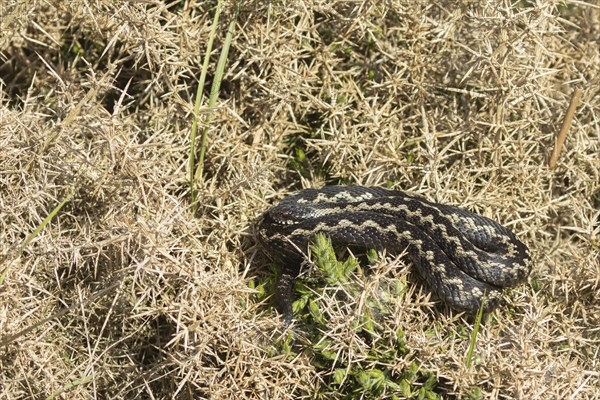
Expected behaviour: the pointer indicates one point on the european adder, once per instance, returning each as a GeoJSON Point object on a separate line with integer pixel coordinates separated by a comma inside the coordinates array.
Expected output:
{"type": "Point", "coordinates": [461, 255]}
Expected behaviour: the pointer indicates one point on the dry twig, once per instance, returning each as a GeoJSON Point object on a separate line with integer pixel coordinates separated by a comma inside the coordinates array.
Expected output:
{"type": "Point", "coordinates": [562, 135]}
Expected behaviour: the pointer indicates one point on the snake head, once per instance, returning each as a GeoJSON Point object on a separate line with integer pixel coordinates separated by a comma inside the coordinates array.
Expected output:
{"type": "Point", "coordinates": [287, 214]}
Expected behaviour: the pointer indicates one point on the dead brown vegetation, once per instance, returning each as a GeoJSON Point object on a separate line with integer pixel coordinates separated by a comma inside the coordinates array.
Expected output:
{"type": "Point", "coordinates": [457, 101]}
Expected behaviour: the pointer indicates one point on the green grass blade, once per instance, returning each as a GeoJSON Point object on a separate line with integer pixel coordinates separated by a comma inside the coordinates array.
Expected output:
{"type": "Point", "coordinates": [214, 91]}
{"type": "Point", "coordinates": [71, 385]}
{"type": "Point", "coordinates": [33, 234]}
{"type": "Point", "coordinates": [199, 98]}
{"type": "Point", "coordinates": [6, 340]}
{"type": "Point", "coordinates": [474, 335]}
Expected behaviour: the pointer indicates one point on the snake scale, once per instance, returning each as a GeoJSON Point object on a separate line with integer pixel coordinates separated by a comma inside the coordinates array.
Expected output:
{"type": "Point", "coordinates": [463, 257]}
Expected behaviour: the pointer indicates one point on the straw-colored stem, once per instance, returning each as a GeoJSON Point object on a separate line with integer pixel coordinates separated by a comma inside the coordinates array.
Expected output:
{"type": "Point", "coordinates": [562, 135]}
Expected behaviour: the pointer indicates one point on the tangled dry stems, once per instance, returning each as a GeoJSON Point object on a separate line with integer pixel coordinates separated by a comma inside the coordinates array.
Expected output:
{"type": "Point", "coordinates": [459, 103]}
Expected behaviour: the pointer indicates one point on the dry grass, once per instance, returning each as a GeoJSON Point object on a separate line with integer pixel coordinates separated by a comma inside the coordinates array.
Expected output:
{"type": "Point", "coordinates": [126, 294]}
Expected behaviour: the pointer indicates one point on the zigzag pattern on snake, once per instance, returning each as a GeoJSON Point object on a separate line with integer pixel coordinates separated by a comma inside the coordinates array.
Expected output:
{"type": "Point", "coordinates": [462, 256]}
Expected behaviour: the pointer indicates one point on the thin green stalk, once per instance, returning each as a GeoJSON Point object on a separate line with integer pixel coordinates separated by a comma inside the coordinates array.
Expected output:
{"type": "Point", "coordinates": [474, 335]}
{"type": "Point", "coordinates": [6, 340]}
{"type": "Point", "coordinates": [199, 98]}
{"type": "Point", "coordinates": [214, 91]}
{"type": "Point", "coordinates": [33, 234]}
{"type": "Point", "coordinates": [71, 385]}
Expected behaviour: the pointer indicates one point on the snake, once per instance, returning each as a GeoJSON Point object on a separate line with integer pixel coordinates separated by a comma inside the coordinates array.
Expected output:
{"type": "Point", "coordinates": [465, 259]}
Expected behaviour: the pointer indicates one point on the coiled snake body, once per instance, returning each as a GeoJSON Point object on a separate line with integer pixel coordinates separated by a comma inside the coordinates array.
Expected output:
{"type": "Point", "coordinates": [463, 257]}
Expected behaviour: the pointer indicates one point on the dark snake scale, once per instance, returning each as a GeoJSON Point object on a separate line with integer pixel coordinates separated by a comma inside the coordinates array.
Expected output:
{"type": "Point", "coordinates": [463, 257]}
